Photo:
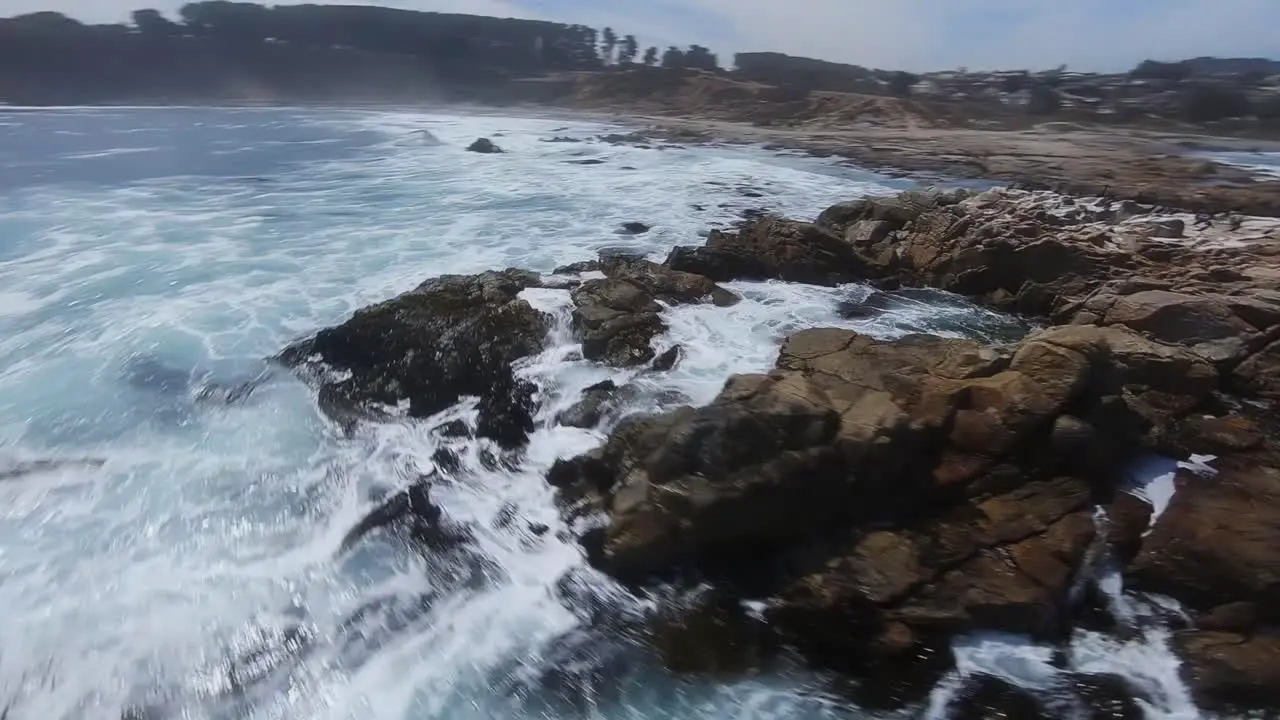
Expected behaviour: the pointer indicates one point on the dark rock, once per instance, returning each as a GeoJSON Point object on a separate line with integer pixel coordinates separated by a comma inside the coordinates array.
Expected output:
{"type": "Point", "coordinates": [667, 360]}
{"type": "Point", "coordinates": [450, 337]}
{"type": "Point", "coordinates": [578, 267]}
{"type": "Point", "coordinates": [562, 139]}
{"type": "Point", "coordinates": [1128, 519]}
{"type": "Point", "coordinates": [446, 460]}
{"type": "Point", "coordinates": [539, 529]}
{"type": "Point", "coordinates": [506, 412]}
{"type": "Point", "coordinates": [1217, 543]}
{"type": "Point", "coordinates": [772, 249]}
{"type": "Point", "coordinates": [1231, 672]}
{"type": "Point", "coordinates": [617, 317]}
{"type": "Point", "coordinates": [1260, 374]}
{"type": "Point", "coordinates": [984, 697]}
{"type": "Point", "coordinates": [715, 636]}
{"type": "Point", "coordinates": [411, 514]}
{"type": "Point", "coordinates": [588, 412]}
{"type": "Point", "coordinates": [454, 429]}
{"type": "Point", "coordinates": [587, 161]}
{"type": "Point", "coordinates": [635, 228]}
{"type": "Point", "coordinates": [484, 145]}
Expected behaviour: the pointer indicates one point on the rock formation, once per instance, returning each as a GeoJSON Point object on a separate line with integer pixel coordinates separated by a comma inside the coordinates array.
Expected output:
{"type": "Point", "coordinates": [888, 495]}
{"type": "Point", "coordinates": [449, 337]}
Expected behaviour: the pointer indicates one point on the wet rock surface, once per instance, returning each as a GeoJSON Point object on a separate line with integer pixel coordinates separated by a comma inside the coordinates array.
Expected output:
{"type": "Point", "coordinates": [891, 494]}
{"type": "Point", "coordinates": [484, 146]}
{"type": "Point", "coordinates": [617, 317]}
{"type": "Point", "coordinates": [449, 337]}
{"type": "Point", "coordinates": [888, 495]}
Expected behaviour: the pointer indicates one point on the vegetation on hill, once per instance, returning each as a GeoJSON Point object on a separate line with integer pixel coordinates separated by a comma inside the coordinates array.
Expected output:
{"type": "Point", "coordinates": [217, 50]}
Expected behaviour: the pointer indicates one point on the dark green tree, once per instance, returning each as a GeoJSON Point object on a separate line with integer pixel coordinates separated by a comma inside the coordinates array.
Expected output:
{"type": "Point", "coordinates": [673, 58]}
{"type": "Point", "coordinates": [608, 41]}
{"type": "Point", "coordinates": [901, 82]}
{"type": "Point", "coordinates": [629, 49]}
{"type": "Point", "coordinates": [1206, 103]}
{"type": "Point", "coordinates": [651, 56]}
{"type": "Point", "coordinates": [701, 58]}
{"type": "Point", "coordinates": [1043, 100]}
{"type": "Point", "coordinates": [151, 22]}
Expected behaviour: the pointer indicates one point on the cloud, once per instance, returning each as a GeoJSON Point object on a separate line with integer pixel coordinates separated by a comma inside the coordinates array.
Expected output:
{"type": "Point", "coordinates": [907, 34]}
{"type": "Point", "coordinates": [937, 34]}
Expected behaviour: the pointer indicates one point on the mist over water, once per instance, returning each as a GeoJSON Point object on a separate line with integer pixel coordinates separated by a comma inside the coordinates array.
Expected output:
{"type": "Point", "coordinates": [186, 559]}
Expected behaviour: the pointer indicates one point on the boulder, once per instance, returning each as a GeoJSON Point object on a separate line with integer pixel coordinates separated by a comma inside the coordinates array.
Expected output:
{"type": "Point", "coordinates": [1218, 542]}
{"type": "Point", "coordinates": [484, 145]}
{"type": "Point", "coordinates": [449, 337]}
{"type": "Point", "coordinates": [616, 321]}
{"type": "Point", "coordinates": [1230, 671]}
{"type": "Point", "coordinates": [635, 228]}
{"type": "Point", "coordinates": [617, 316]}
{"type": "Point", "coordinates": [1259, 375]}
{"type": "Point", "coordinates": [588, 412]}
{"type": "Point", "coordinates": [770, 248]}
{"type": "Point", "coordinates": [1205, 324]}
{"type": "Point", "coordinates": [1005, 563]}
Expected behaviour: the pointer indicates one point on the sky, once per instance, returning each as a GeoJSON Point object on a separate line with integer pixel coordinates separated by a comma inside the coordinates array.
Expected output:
{"type": "Point", "coordinates": [1096, 35]}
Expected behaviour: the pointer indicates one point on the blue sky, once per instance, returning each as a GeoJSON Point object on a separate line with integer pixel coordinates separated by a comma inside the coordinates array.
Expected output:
{"type": "Point", "coordinates": [910, 34]}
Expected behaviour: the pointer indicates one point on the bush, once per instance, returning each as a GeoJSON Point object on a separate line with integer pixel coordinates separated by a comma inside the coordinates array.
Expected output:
{"type": "Point", "coordinates": [1206, 103]}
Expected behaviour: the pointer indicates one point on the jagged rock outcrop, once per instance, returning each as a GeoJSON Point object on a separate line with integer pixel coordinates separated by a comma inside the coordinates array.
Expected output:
{"type": "Point", "coordinates": [772, 248]}
{"type": "Point", "coordinates": [449, 337]}
{"type": "Point", "coordinates": [912, 489]}
{"type": "Point", "coordinates": [618, 316]}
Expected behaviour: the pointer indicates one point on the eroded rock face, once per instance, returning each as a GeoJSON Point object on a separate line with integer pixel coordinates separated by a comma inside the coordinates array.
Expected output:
{"type": "Point", "coordinates": [451, 336]}
{"type": "Point", "coordinates": [900, 491]}
{"type": "Point", "coordinates": [1042, 254]}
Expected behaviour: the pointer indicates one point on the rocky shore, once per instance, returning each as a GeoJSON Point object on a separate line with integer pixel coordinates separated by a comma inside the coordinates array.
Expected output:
{"type": "Point", "coordinates": [885, 497]}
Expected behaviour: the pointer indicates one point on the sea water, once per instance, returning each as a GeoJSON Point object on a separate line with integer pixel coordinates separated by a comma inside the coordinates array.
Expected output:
{"type": "Point", "coordinates": [184, 558]}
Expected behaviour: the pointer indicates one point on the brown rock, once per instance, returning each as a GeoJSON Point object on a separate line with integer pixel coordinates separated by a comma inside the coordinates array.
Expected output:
{"type": "Point", "coordinates": [1231, 671]}
{"type": "Point", "coordinates": [772, 249]}
{"type": "Point", "coordinates": [1218, 542]}
{"type": "Point", "coordinates": [1260, 374]}
{"type": "Point", "coordinates": [1204, 324]}
{"type": "Point", "coordinates": [1128, 519]}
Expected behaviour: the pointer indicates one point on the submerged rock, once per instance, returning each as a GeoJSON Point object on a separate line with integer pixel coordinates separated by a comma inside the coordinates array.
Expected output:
{"type": "Point", "coordinates": [450, 337]}
{"type": "Point", "coordinates": [484, 145]}
{"type": "Point", "coordinates": [411, 513]}
{"type": "Point", "coordinates": [15, 470]}
{"type": "Point", "coordinates": [635, 228]}
{"type": "Point", "coordinates": [667, 360]}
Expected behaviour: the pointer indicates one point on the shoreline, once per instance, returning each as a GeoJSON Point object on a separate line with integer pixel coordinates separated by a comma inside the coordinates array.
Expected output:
{"type": "Point", "coordinates": [1158, 168]}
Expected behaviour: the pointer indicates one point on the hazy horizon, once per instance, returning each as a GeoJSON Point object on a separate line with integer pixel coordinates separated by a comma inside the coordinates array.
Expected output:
{"type": "Point", "coordinates": [919, 35]}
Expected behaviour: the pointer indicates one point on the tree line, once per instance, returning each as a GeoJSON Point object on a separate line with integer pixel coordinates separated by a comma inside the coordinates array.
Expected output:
{"type": "Point", "coordinates": [218, 48]}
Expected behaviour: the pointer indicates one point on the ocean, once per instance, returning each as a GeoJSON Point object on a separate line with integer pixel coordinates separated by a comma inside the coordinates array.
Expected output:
{"type": "Point", "coordinates": [178, 555]}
